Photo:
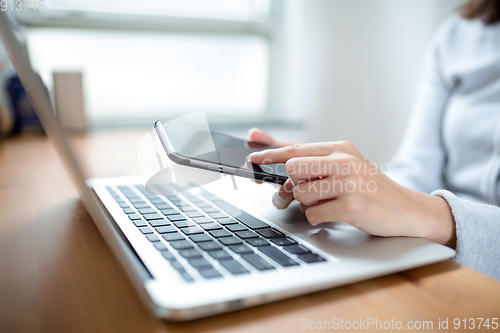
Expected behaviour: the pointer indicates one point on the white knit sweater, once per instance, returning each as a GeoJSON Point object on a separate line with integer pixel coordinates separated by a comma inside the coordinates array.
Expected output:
{"type": "Point", "coordinates": [452, 144]}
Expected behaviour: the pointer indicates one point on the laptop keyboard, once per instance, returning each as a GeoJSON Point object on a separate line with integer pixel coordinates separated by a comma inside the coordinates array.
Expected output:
{"type": "Point", "coordinates": [208, 234]}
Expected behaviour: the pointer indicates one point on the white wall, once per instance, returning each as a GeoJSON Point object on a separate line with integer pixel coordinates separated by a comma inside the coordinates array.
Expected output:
{"type": "Point", "coordinates": [353, 67]}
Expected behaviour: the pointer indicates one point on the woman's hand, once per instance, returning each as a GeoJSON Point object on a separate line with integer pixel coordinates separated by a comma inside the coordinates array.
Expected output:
{"type": "Point", "coordinates": [284, 196]}
{"type": "Point", "coordinates": [257, 135]}
{"type": "Point", "coordinates": [337, 183]}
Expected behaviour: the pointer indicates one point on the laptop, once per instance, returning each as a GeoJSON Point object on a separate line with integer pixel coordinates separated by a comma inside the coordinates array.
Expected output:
{"type": "Point", "coordinates": [213, 249]}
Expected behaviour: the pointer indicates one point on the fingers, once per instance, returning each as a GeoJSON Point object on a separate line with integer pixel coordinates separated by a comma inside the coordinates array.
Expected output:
{"type": "Point", "coordinates": [282, 155]}
{"type": "Point", "coordinates": [308, 168]}
{"type": "Point", "coordinates": [343, 209]}
{"type": "Point", "coordinates": [303, 208]}
{"type": "Point", "coordinates": [314, 192]}
{"type": "Point", "coordinates": [284, 196]}
{"type": "Point", "coordinates": [258, 135]}
{"type": "Point", "coordinates": [328, 212]}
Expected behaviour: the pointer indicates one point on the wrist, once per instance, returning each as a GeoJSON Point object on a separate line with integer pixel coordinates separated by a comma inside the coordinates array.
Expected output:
{"type": "Point", "coordinates": [431, 217]}
{"type": "Point", "coordinates": [439, 222]}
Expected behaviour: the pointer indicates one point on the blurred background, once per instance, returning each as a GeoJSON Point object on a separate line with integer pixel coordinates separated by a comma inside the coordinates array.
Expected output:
{"type": "Point", "coordinates": [306, 70]}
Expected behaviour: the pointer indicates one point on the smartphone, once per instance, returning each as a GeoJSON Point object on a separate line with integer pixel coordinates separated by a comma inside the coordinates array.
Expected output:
{"type": "Point", "coordinates": [210, 150]}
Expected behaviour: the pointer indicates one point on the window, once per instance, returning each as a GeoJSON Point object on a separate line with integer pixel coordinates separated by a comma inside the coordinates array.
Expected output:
{"type": "Point", "coordinates": [158, 59]}
{"type": "Point", "coordinates": [233, 10]}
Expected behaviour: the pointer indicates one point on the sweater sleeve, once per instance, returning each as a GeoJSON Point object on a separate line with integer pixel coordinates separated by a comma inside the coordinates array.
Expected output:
{"type": "Point", "coordinates": [478, 233]}
{"type": "Point", "coordinates": [418, 163]}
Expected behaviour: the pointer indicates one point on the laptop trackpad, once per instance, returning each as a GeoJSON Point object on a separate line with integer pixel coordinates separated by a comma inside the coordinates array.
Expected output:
{"type": "Point", "coordinates": [337, 238]}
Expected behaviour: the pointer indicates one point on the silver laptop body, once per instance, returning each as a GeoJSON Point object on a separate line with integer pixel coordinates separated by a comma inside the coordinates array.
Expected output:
{"type": "Point", "coordinates": [199, 285]}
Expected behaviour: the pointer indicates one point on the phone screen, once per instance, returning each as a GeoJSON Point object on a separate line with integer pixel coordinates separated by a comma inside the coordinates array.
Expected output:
{"type": "Point", "coordinates": [218, 148]}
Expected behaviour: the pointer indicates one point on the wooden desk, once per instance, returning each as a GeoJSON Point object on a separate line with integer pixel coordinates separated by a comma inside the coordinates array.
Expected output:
{"type": "Point", "coordinates": [58, 275]}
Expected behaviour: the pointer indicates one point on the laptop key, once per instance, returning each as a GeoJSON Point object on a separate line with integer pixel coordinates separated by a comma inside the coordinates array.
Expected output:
{"type": "Point", "coordinates": [209, 246]}
{"type": "Point", "coordinates": [146, 230]}
{"type": "Point", "coordinates": [174, 236]}
{"type": "Point", "coordinates": [200, 263]}
{"type": "Point", "coordinates": [230, 240]}
{"type": "Point", "coordinates": [219, 233]}
{"type": "Point", "coordinates": [187, 277]}
{"type": "Point", "coordinates": [257, 261]}
{"type": "Point", "coordinates": [195, 214]}
{"type": "Point", "coordinates": [269, 233]}
{"type": "Point", "coordinates": [146, 211]}
{"type": "Point", "coordinates": [181, 244]}
{"type": "Point", "coordinates": [180, 203]}
{"type": "Point", "coordinates": [141, 205]}
{"type": "Point", "coordinates": [251, 221]}
{"type": "Point", "coordinates": [135, 199]}
{"type": "Point", "coordinates": [219, 254]}
{"type": "Point", "coordinates": [154, 216]}
{"type": "Point", "coordinates": [191, 230]}
{"type": "Point", "coordinates": [166, 229]}
{"type": "Point", "coordinates": [311, 257]}
{"type": "Point", "coordinates": [184, 224]}
{"type": "Point", "coordinates": [160, 246]}
{"type": "Point", "coordinates": [177, 217]}
{"type": "Point", "coordinates": [257, 241]}
{"type": "Point", "coordinates": [167, 255]}
{"type": "Point", "coordinates": [240, 249]}
{"type": "Point", "coordinates": [234, 267]}
{"type": "Point", "coordinates": [177, 265]}
{"type": "Point", "coordinates": [210, 273]}
{"type": "Point", "coordinates": [296, 249]}
{"type": "Point", "coordinates": [210, 226]}
{"type": "Point", "coordinates": [236, 227]}
{"type": "Point", "coordinates": [203, 219]}
{"type": "Point", "coordinates": [190, 196]}
{"type": "Point", "coordinates": [128, 211]}
{"type": "Point", "coordinates": [123, 205]}
{"type": "Point", "coordinates": [156, 201]}
{"type": "Point", "coordinates": [210, 209]}
{"type": "Point", "coordinates": [187, 208]}
{"type": "Point", "coordinates": [200, 238]}
{"type": "Point", "coordinates": [190, 253]}
{"type": "Point", "coordinates": [152, 238]}
{"type": "Point", "coordinates": [134, 217]}
{"type": "Point", "coordinates": [140, 223]}
{"type": "Point", "coordinates": [163, 205]}
{"type": "Point", "coordinates": [169, 211]}
{"type": "Point", "coordinates": [201, 204]}
{"type": "Point", "coordinates": [247, 219]}
{"type": "Point", "coordinates": [246, 234]}
{"type": "Point", "coordinates": [175, 202]}
{"type": "Point", "coordinates": [282, 241]}
{"type": "Point", "coordinates": [277, 256]}
{"type": "Point", "coordinates": [227, 221]}
{"type": "Point", "coordinates": [159, 223]}
{"type": "Point", "coordinates": [217, 215]}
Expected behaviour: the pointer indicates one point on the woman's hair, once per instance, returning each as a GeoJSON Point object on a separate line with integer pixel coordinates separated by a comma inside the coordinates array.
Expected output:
{"type": "Point", "coordinates": [486, 10]}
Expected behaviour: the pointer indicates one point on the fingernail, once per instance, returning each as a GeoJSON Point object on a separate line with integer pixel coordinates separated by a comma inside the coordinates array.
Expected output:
{"type": "Point", "coordinates": [254, 156]}
{"type": "Point", "coordinates": [289, 186]}
{"type": "Point", "coordinates": [308, 219]}
{"type": "Point", "coordinates": [278, 201]}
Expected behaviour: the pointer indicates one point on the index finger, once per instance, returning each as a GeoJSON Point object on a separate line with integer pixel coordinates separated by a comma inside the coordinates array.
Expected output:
{"type": "Point", "coordinates": [281, 155]}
